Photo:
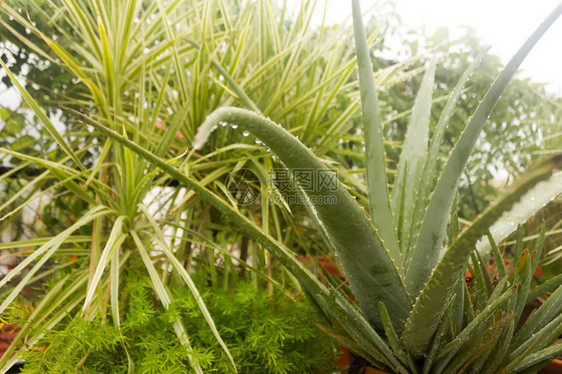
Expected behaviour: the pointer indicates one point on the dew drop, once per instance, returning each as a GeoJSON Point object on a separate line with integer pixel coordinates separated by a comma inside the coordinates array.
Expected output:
{"type": "Point", "coordinates": [258, 141]}
{"type": "Point", "coordinates": [234, 126]}
{"type": "Point", "coordinates": [245, 133]}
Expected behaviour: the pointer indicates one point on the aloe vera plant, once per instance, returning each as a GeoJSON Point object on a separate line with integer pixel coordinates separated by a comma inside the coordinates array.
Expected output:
{"type": "Point", "coordinates": [413, 312]}
{"type": "Point", "coordinates": [392, 261]}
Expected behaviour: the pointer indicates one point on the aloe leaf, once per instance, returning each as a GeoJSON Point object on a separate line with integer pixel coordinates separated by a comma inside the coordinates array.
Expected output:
{"type": "Point", "coordinates": [473, 350]}
{"type": "Point", "coordinates": [457, 310]}
{"type": "Point", "coordinates": [502, 272]}
{"type": "Point", "coordinates": [379, 201]}
{"type": "Point", "coordinates": [497, 356]}
{"type": "Point", "coordinates": [391, 335]}
{"type": "Point", "coordinates": [434, 224]}
{"type": "Point", "coordinates": [479, 284]}
{"type": "Point", "coordinates": [432, 162]}
{"type": "Point", "coordinates": [541, 357]}
{"type": "Point", "coordinates": [542, 339]}
{"type": "Point", "coordinates": [357, 326]}
{"type": "Point", "coordinates": [371, 272]}
{"type": "Point", "coordinates": [436, 343]}
{"type": "Point", "coordinates": [551, 308]}
{"type": "Point", "coordinates": [526, 273]}
{"type": "Point", "coordinates": [468, 306]}
{"type": "Point", "coordinates": [548, 286]}
{"type": "Point", "coordinates": [451, 348]}
{"type": "Point", "coordinates": [414, 155]}
{"type": "Point", "coordinates": [430, 305]}
{"type": "Point", "coordinates": [352, 345]}
{"type": "Point", "coordinates": [531, 203]}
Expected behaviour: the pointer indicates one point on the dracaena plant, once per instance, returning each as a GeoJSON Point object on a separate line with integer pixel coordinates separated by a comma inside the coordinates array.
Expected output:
{"type": "Point", "coordinates": [142, 67]}
{"type": "Point", "coordinates": [413, 312]}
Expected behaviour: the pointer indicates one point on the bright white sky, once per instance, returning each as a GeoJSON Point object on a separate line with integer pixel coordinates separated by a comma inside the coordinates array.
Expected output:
{"type": "Point", "coordinates": [502, 24]}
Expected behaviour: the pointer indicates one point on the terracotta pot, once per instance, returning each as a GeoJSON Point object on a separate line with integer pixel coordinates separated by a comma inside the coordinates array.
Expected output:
{"type": "Point", "coordinates": [555, 367]}
{"type": "Point", "coordinates": [345, 359]}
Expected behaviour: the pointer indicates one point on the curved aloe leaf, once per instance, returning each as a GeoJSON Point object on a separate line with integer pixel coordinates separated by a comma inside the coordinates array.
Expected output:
{"type": "Point", "coordinates": [370, 269]}
{"type": "Point", "coordinates": [340, 307]}
{"type": "Point", "coordinates": [531, 203]}
{"type": "Point", "coordinates": [379, 201]}
{"type": "Point", "coordinates": [434, 224]}
{"type": "Point", "coordinates": [277, 248]}
{"type": "Point", "coordinates": [430, 306]}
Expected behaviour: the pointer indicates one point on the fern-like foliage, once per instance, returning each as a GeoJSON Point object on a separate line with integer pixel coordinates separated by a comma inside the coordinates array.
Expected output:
{"type": "Point", "coordinates": [265, 334]}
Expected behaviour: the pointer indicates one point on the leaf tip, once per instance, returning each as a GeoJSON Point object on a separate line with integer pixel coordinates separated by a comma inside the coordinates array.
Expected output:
{"type": "Point", "coordinates": [204, 132]}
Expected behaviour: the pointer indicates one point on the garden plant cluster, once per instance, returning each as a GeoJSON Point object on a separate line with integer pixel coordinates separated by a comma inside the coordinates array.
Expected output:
{"type": "Point", "coordinates": [195, 186]}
